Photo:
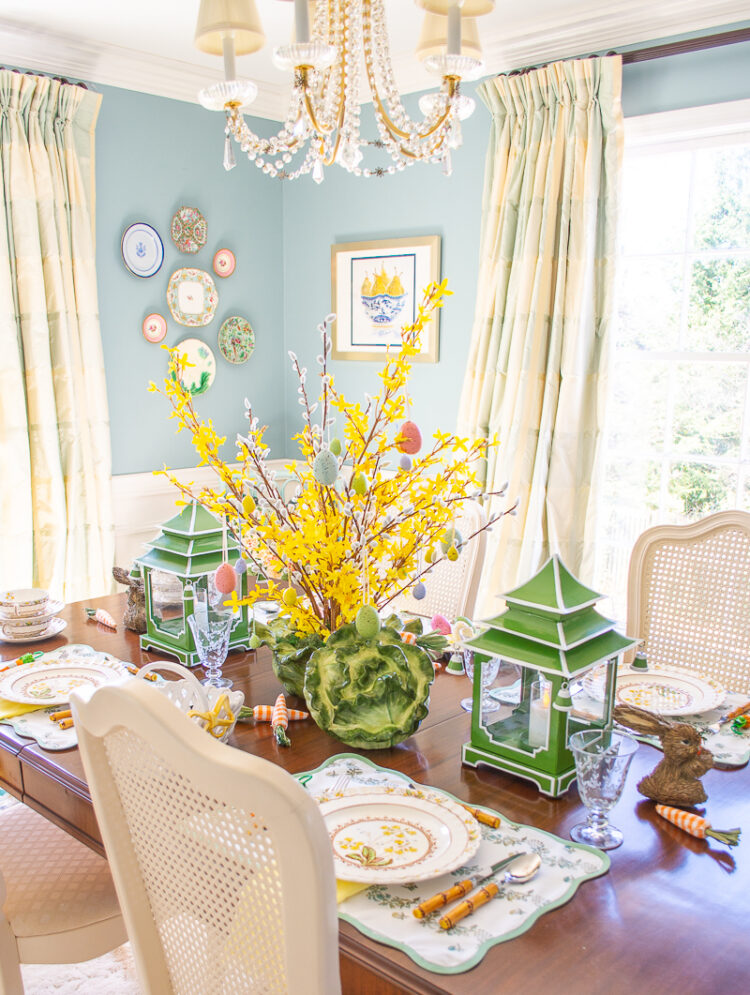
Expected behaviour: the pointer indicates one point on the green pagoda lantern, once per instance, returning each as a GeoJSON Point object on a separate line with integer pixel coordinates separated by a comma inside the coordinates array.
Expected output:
{"type": "Point", "coordinates": [554, 634]}
{"type": "Point", "coordinates": [180, 560]}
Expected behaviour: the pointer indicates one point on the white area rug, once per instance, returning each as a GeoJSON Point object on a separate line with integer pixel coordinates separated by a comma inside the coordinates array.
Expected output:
{"type": "Point", "coordinates": [112, 974]}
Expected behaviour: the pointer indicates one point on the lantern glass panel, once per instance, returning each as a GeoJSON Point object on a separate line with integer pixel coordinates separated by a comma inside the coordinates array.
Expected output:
{"type": "Point", "coordinates": [511, 726]}
{"type": "Point", "coordinates": [167, 608]}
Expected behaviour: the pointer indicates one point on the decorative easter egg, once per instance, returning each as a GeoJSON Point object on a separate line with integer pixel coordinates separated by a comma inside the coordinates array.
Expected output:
{"type": "Point", "coordinates": [359, 483]}
{"type": "Point", "coordinates": [452, 537]}
{"type": "Point", "coordinates": [430, 555]}
{"type": "Point", "coordinates": [325, 468]}
{"type": "Point", "coordinates": [405, 462]}
{"type": "Point", "coordinates": [248, 504]}
{"type": "Point", "coordinates": [254, 641]}
{"type": "Point", "coordinates": [367, 622]}
{"type": "Point", "coordinates": [419, 591]}
{"type": "Point", "coordinates": [225, 578]}
{"type": "Point", "coordinates": [441, 624]}
{"type": "Point", "coordinates": [335, 446]}
{"type": "Point", "coordinates": [289, 596]}
{"type": "Point", "coordinates": [240, 567]}
{"type": "Point", "coordinates": [409, 438]}
{"type": "Point", "coordinates": [452, 554]}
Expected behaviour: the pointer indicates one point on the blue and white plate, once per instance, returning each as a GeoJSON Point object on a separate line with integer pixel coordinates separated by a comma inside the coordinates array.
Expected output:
{"type": "Point", "coordinates": [142, 249]}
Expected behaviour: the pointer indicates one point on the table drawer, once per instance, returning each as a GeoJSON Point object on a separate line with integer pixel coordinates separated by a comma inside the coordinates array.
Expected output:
{"type": "Point", "coordinates": [10, 772]}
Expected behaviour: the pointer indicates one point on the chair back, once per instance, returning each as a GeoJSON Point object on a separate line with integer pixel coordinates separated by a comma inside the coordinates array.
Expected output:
{"type": "Point", "coordinates": [452, 587]}
{"type": "Point", "coordinates": [689, 596]}
{"type": "Point", "coordinates": [221, 860]}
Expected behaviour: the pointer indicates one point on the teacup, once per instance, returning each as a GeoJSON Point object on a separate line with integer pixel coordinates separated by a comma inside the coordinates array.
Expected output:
{"type": "Point", "coordinates": [22, 628]}
{"type": "Point", "coordinates": [23, 602]}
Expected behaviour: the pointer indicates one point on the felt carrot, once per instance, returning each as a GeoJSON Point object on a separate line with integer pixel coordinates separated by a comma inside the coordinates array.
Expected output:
{"type": "Point", "coordinates": [264, 713]}
{"type": "Point", "coordinates": [697, 826]}
{"type": "Point", "coordinates": [280, 720]}
{"type": "Point", "coordinates": [101, 615]}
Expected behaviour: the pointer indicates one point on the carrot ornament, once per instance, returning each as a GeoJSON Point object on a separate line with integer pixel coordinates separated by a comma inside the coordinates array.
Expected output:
{"type": "Point", "coordinates": [697, 826]}
{"type": "Point", "coordinates": [280, 721]}
{"type": "Point", "coordinates": [101, 615]}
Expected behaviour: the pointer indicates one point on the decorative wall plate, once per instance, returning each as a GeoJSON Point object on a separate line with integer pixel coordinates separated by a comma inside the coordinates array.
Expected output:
{"type": "Point", "coordinates": [236, 340]}
{"type": "Point", "coordinates": [198, 377]}
{"type": "Point", "coordinates": [41, 683]}
{"type": "Point", "coordinates": [142, 249]}
{"type": "Point", "coordinates": [154, 327]}
{"type": "Point", "coordinates": [224, 262]}
{"type": "Point", "coordinates": [192, 297]}
{"type": "Point", "coordinates": [398, 835]}
{"type": "Point", "coordinates": [189, 229]}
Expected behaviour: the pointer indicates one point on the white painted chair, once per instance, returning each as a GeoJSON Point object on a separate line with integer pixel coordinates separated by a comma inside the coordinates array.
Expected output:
{"type": "Point", "coordinates": [452, 587]}
{"type": "Point", "coordinates": [57, 900]}
{"type": "Point", "coordinates": [689, 596]}
{"type": "Point", "coordinates": [221, 860]}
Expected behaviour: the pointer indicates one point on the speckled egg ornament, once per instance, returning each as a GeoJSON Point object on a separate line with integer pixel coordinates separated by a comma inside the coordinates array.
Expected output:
{"type": "Point", "coordinates": [409, 438]}
{"type": "Point", "coordinates": [240, 567]}
{"type": "Point", "coordinates": [225, 578]}
{"type": "Point", "coordinates": [452, 554]}
{"type": "Point", "coordinates": [367, 622]}
{"type": "Point", "coordinates": [359, 483]}
{"type": "Point", "coordinates": [419, 591]}
{"type": "Point", "coordinates": [405, 462]}
{"type": "Point", "coordinates": [335, 446]}
{"type": "Point", "coordinates": [441, 624]}
{"type": "Point", "coordinates": [325, 468]}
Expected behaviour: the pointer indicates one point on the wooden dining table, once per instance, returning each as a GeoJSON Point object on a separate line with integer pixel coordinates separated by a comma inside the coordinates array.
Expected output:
{"type": "Point", "coordinates": [671, 915]}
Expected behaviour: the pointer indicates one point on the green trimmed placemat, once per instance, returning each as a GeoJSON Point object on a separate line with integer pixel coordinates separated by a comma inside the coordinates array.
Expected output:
{"type": "Point", "coordinates": [385, 913]}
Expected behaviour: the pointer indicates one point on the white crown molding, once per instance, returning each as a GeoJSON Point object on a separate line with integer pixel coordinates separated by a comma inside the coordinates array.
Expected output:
{"type": "Point", "coordinates": [593, 28]}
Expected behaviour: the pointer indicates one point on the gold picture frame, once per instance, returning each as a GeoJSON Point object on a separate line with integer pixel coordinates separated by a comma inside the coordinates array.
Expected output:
{"type": "Point", "coordinates": [376, 289]}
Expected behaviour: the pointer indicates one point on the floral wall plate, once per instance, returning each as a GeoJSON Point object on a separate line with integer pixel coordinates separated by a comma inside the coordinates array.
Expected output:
{"type": "Point", "coordinates": [142, 249]}
{"type": "Point", "coordinates": [224, 262]}
{"type": "Point", "coordinates": [398, 835]}
{"type": "Point", "coordinates": [236, 340]}
{"type": "Point", "coordinates": [198, 377]}
{"type": "Point", "coordinates": [189, 229]}
{"type": "Point", "coordinates": [192, 297]}
{"type": "Point", "coordinates": [154, 327]}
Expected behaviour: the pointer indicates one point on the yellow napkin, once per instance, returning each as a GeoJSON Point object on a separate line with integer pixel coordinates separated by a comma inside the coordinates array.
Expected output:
{"type": "Point", "coordinates": [345, 889]}
{"type": "Point", "coordinates": [10, 709]}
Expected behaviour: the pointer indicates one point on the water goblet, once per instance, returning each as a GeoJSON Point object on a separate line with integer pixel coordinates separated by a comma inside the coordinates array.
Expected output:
{"type": "Point", "coordinates": [489, 673]}
{"type": "Point", "coordinates": [211, 629]}
{"type": "Point", "coordinates": [602, 759]}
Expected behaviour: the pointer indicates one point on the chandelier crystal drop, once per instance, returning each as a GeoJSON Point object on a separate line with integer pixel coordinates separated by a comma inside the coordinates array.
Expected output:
{"type": "Point", "coordinates": [333, 40]}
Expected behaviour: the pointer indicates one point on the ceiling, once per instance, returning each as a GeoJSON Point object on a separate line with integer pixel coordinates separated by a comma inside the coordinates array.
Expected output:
{"type": "Point", "coordinates": [147, 45]}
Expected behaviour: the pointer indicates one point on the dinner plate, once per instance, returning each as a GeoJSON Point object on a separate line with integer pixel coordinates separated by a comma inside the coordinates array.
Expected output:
{"type": "Point", "coordinates": [43, 683]}
{"type": "Point", "coordinates": [54, 628]}
{"type": "Point", "coordinates": [398, 835]}
{"type": "Point", "coordinates": [664, 690]}
{"type": "Point", "coordinates": [142, 249]}
{"type": "Point", "coordinates": [192, 297]}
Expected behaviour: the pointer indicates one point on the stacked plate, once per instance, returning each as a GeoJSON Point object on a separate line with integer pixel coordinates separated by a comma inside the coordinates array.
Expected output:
{"type": "Point", "coordinates": [27, 615]}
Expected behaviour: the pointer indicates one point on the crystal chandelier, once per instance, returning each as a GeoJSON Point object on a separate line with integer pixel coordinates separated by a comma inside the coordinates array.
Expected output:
{"type": "Point", "coordinates": [333, 39]}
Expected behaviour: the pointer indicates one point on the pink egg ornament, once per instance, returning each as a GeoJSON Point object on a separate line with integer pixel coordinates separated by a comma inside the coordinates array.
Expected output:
{"type": "Point", "coordinates": [225, 578]}
{"type": "Point", "coordinates": [409, 438]}
{"type": "Point", "coordinates": [441, 624]}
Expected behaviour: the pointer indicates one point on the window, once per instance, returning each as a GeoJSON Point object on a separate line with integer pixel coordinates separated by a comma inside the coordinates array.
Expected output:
{"type": "Point", "coordinates": [677, 442]}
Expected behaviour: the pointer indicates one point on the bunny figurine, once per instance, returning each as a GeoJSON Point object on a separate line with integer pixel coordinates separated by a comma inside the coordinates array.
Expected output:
{"type": "Point", "coordinates": [676, 780]}
{"type": "Point", "coordinates": [135, 612]}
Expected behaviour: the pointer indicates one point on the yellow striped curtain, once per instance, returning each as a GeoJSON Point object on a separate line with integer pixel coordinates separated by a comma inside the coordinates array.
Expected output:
{"type": "Point", "coordinates": [55, 486]}
{"type": "Point", "coordinates": [536, 375]}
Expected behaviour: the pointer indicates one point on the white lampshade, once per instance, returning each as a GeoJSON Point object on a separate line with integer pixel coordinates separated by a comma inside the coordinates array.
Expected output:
{"type": "Point", "coordinates": [469, 8]}
{"type": "Point", "coordinates": [219, 18]}
{"type": "Point", "coordinates": [434, 37]}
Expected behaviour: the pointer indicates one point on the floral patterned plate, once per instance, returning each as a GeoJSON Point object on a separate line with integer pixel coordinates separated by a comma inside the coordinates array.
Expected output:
{"type": "Point", "coordinates": [224, 262]}
{"type": "Point", "coordinates": [397, 835]}
{"type": "Point", "coordinates": [664, 690]}
{"type": "Point", "coordinates": [192, 297]}
{"type": "Point", "coordinates": [154, 327]}
{"type": "Point", "coordinates": [236, 340]}
{"type": "Point", "coordinates": [50, 683]}
{"type": "Point", "coordinates": [189, 230]}
{"type": "Point", "coordinates": [199, 376]}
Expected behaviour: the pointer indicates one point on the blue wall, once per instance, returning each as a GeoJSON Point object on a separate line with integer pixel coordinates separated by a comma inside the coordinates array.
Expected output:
{"type": "Point", "coordinates": [154, 155]}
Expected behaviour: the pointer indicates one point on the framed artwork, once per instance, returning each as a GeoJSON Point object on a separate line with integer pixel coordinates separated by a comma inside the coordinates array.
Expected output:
{"type": "Point", "coordinates": [376, 289]}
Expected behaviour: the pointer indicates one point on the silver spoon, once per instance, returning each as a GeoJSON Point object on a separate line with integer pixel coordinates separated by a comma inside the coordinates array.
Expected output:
{"type": "Point", "coordinates": [522, 868]}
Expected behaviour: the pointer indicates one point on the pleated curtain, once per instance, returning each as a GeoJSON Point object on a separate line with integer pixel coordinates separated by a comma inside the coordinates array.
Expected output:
{"type": "Point", "coordinates": [55, 468]}
{"type": "Point", "coordinates": [536, 375]}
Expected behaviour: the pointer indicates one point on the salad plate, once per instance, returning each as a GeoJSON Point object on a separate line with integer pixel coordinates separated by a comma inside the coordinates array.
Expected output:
{"type": "Point", "coordinates": [50, 679]}
{"type": "Point", "coordinates": [142, 250]}
{"type": "Point", "coordinates": [236, 340]}
{"type": "Point", "coordinates": [192, 297]}
{"type": "Point", "coordinates": [189, 229]}
{"type": "Point", "coordinates": [395, 835]}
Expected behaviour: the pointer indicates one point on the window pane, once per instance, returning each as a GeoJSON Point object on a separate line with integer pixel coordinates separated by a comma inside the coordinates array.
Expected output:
{"type": "Point", "coordinates": [655, 199]}
{"type": "Point", "coordinates": [638, 405]}
{"type": "Point", "coordinates": [649, 299]}
{"type": "Point", "coordinates": [719, 306]}
{"type": "Point", "coordinates": [708, 408]}
{"type": "Point", "coordinates": [722, 198]}
{"type": "Point", "coordinates": [698, 489]}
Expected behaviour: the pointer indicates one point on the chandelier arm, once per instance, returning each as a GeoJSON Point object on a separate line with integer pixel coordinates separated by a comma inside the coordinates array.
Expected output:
{"type": "Point", "coordinates": [241, 132]}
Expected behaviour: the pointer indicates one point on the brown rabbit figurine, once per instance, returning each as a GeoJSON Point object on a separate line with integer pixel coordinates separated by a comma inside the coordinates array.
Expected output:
{"type": "Point", "coordinates": [675, 781]}
{"type": "Point", "coordinates": [135, 612]}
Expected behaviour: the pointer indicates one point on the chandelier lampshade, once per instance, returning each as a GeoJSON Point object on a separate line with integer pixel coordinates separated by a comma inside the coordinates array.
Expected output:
{"type": "Point", "coordinates": [218, 19]}
{"type": "Point", "coordinates": [469, 8]}
{"type": "Point", "coordinates": [433, 38]}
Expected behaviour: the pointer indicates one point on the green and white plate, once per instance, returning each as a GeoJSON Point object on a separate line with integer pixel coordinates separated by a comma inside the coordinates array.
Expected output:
{"type": "Point", "coordinates": [236, 340]}
{"type": "Point", "coordinates": [192, 297]}
{"type": "Point", "coordinates": [199, 376]}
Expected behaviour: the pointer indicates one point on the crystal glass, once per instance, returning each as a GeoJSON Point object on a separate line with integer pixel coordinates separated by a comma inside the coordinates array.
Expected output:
{"type": "Point", "coordinates": [602, 759]}
{"type": "Point", "coordinates": [211, 629]}
{"type": "Point", "coordinates": [489, 673]}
